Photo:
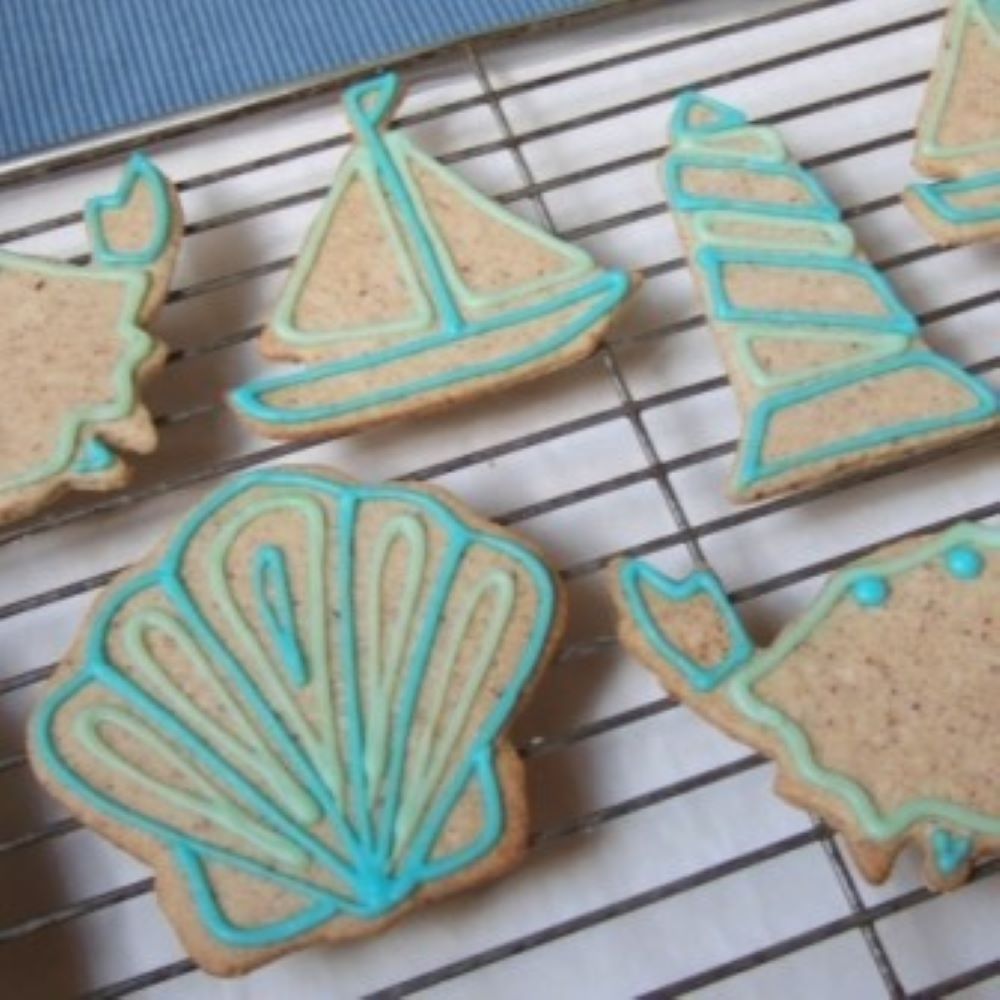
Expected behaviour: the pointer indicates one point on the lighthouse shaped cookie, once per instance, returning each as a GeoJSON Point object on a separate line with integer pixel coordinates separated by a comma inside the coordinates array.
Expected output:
{"type": "Point", "coordinates": [413, 291]}
{"type": "Point", "coordinates": [826, 362]}
{"type": "Point", "coordinates": [878, 705]}
{"type": "Point", "coordinates": [75, 349]}
{"type": "Point", "coordinates": [958, 135]}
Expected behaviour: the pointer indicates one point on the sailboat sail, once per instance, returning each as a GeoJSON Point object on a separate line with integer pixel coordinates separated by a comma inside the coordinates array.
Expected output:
{"type": "Point", "coordinates": [467, 229]}
{"type": "Point", "coordinates": [412, 285]}
{"type": "Point", "coordinates": [826, 360]}
{"type": "Point", "coordinates": [958, 137]}
{"type": "Point", "coordinates": [356, 282]}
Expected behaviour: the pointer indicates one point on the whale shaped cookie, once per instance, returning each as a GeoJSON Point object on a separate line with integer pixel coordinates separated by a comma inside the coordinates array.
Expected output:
{"type": "Point", "coordinates": [878, 705]}
{"type": "Point", "coordinates": [76, 350]}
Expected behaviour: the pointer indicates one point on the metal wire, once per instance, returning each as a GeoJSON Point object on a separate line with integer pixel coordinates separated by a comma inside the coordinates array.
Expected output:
{"type": "Point", "coordinates": [687, 532]}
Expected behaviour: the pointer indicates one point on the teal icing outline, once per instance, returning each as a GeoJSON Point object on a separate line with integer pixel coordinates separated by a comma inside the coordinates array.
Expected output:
{"type": "Point", "coordinates": [726, 116]}
{"type": "Point", "coordinates": [821, 208]}
{"type": "Point", "coordinates": [885, 336]}
{"type": "Point", "coordinates": [273, 590]}
{"type": "Point", "coordinates": [951, 851]}
{"type": "Point", "coordinates": [754, 469]}
{"type": "Point", "coordinates": [713, 261]}
{"type": "Point", "coordinates": [935, 198]}
{"type": "Point", "coordinates": [883, 345]}
{"type": "Point", "coordinates": [963, 13]}
{"type": "Point", "coordinates": [374, 883]}
{"type": "Point", "coordinates": [633, 575]}
{"type": "Point", "coordinates": [137, 346]}
{"type": "Point", "coordinates": [139, 170]}
{"type": "Point", "coordinates": [756, 142]}
{"type": "Point", "coordinates": [388, 155]}
{"type": "Point", "coordinates": [739, 689]}
{"type": "Point", "coordinates": [94, 458]}
{"type": "Point", "coordinates": [608, 291]}
{"type": "Point", "coordinates": [875, 824]}
{"type": "Point", "coordinates": [840, 239]}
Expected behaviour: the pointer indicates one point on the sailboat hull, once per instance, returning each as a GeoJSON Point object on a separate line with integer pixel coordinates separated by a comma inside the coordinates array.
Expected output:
{"type": "Point", "coordinates": [956, 212]}
{"type": "Point", "coordinates": [414, 376]}
{"type": "Point", "coordinates": [826, 361]}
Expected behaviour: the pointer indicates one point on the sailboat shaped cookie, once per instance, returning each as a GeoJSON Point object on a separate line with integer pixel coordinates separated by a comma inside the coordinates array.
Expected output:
{"type": "Point", "coordinates": [414, 291]}
{"type": "Point", "coordinates": [878, 705]}
{"type": "Point", "coordinates": [958, 137]}
{"type": "Point", "coordinates": [826, 361]}
{"type": "Point", "coordinates": [75, 350]}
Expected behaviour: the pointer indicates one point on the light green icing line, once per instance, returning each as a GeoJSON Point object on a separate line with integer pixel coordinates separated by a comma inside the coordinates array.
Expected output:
{"type": "Point", "coordinates": [837, 239]}
{"type": "Point", "coordinates": [876, 824]}
{"type": "Point", "coordinates": [138, 346]}
{"type": "Point", "coordinates": [277, 604]}
{"type": "Point", "coordinates": [204, 802]}
{"type": "Point", "coordinates": [358, 164]}
{"type": "Point", "coordinates": [767, 143]}
{"type": "Point", "coordinates": [967, 12]}
{"type": "Point", "coordinates": [579, 263]}
{"type": "Point", "coordinates": [323, 751]}
{"type": "Point", "coordinates": [248, 746]}
{"type": "Point", "coordinates": [430, 755]}
{"type": "Point", "coordinates": [386, 662]}
{"type": "Point", "coordinates": [875, 347]}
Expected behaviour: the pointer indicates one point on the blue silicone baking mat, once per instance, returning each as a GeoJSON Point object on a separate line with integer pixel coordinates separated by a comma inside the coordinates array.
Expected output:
{"type": "Point", "coordinates": [73, 68]}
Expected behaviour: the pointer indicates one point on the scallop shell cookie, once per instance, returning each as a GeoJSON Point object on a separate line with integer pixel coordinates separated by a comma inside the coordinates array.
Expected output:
{"type": "Point", "coordinates": [878, 705]}
{"type": "Point", "coordinates": [76, 350]}
{"type": "Point", "coordinates": [958, 134]}
{"type": "Point", "coordinates": [414, 292]}
{"type": "Point", "coordinates": [827, 363]}
{"type": "Point", "coordinates": [294, 708]}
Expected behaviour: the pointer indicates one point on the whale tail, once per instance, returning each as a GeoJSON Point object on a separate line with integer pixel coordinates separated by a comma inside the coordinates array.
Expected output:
{"type": "Point", "coordinates": [687, 630]}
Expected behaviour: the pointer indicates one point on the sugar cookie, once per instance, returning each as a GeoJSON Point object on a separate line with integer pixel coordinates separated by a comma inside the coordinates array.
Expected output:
{"type": "Point", "coordinates": [293, 710]}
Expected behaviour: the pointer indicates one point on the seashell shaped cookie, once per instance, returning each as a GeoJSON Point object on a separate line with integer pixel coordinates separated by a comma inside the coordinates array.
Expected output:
{"type": "Point", "coordinates": [293, 710]}
{"type": "Point", "coordinates": [75, 347]}
{"type": "Point", "coordinates": [879, 705]}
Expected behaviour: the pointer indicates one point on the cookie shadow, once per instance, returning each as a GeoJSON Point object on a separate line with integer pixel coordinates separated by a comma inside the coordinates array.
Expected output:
{"type": "Point", "coordinates": [41, 957]}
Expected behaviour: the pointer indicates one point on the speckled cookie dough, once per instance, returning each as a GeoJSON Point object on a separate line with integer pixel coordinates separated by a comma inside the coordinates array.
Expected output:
{"type": "Point", "coordinates": [958, 134]}
{"type": "Point", "coordinates": [827, 364]}
{"type": "Point", "coordinates": [294, 710]}
{"type": "Point", "coordinates": [415, 292]}
{"type": "Point", "coordinates": [878, 705]}
{"type": "Point", "coordinates": [76, 351]}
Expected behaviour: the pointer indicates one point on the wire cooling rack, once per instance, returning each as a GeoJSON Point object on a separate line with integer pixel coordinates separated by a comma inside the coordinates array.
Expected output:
{"type": "Point", "coordinates": [661, 864]}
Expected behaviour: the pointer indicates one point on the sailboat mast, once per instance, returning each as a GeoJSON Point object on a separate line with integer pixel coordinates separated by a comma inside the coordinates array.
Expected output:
{"type": "Point", "coordinates": [368, 106]}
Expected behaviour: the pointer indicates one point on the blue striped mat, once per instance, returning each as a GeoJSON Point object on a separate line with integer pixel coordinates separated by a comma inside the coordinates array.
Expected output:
{"type": "Point", "coordinates": [73, 68]}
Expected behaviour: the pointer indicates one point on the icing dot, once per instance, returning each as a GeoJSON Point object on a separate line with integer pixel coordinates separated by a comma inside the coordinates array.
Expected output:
{"type": "Point", "coordinates": [965, 563]}
{"type": "Point", "coordinates": [871, 591]}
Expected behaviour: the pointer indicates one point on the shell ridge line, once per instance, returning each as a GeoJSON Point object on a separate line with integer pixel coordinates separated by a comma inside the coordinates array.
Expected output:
{"type": "Point", "coordinates": [409, 698]}
{"type": "Point", "coordinates": [247, 743]}
{"type": "Point", "coordinates": [243, 763]}
{"type": "Point", "coordinates": [276, 704]}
